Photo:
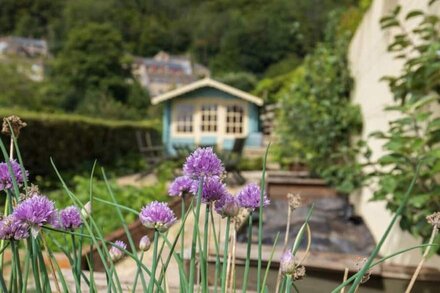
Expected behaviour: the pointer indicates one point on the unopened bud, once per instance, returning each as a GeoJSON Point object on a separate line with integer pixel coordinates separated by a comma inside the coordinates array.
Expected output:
{"type": "Point", "coordinates": [86, 210]}
{"type": "Point", "coordinates": [144, 243]}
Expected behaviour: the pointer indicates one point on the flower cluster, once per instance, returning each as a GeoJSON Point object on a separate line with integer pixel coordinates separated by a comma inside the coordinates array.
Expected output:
{"type": "Point", "coordinates": [180, 186]}
{"type": "Point", "coordinates": [288, 266]}
{"type": "Point", "coordinates": [212, 189]}
{"type": "Point", "coordinates": [11, 229]}
{"type": "Point", "coordinates": [36, 212]}
{"type": "Point", "coordinates": [116, 251]}
{"type": "Point", "coordinates": [6, 179]}
{"type": "Point", "coordinates": [69, 218]}
{"type": "Point", "coordinates": [157, 215]}
{"type": "Point", "coordinates": [249, 197]}
{"type": "Point", "coordinates": [204, 166]}
{"type": "Point", "coordinates": [33, 212]}
{"type": "Point", "coordinates": [227, 206]}
{"type": "Point", "coordinates": [203, 163]}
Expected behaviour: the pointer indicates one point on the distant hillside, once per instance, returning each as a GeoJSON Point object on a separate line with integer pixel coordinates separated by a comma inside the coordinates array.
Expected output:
{"type": "Point", "coordinates": [226, 35]}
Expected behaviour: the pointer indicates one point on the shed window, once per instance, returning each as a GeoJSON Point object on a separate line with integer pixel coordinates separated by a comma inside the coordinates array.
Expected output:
{"type": "Point", "coordinates": [234, 119]}
{"type": "Point", "coordinates": [184, 118]}
{"type": "Point", "coordinates": [209, 118]}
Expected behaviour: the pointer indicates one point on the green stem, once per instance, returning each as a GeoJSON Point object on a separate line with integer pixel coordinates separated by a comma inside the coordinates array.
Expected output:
{"type": "Point", "coordinates": [248, 255]}
{"type": "Point", "coordinates": [225, 255]}
{"type": "Point", "coordinates": [2, 242]}
{"type": "Point", "coordinates": [204, 264]}
{"type": "Point", "coordinates": [182, 237]}
{"type": "Point", "coordinates": [35, 264]}
{"type": "Point", "coordinates": [154, 266]}
{"type": "Point", "coordinates": [194, 238]}
{"type": "Point", "coordinates": [260, 219]}
{"type": "Point", "coordinates": [288, 284]}
{"type": "Point", "coordinates": [217, 257]}
{"type": "Point", "coordinates": [74, 267]}
{"type": "Point", "coordinates": [14, 246]}
{"type": "Point", "coordinates": [399, 211]}
{"type": "Point", "coordinates": [139, 271]}
{"type": "Point", "coordinates": [348, 281]}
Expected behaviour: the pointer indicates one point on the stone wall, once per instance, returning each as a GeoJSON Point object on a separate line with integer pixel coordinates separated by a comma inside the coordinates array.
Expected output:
{"type": "Point", "coordinates": [369, 62]}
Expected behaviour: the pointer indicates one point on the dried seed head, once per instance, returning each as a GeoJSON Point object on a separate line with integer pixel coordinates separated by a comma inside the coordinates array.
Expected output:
{"type": "Point", "coordinates": [359, 265]}
{"type": "Point", "coordinates": [30, 191]}
{"type": "Point", "coordinates": [15, 123]}
{"type": "Point", "coordinates": [299, 273]}
{"type": "Point", "coordinates": [294, 200]}
{"type": "Point", "coordinates": [434, 220]}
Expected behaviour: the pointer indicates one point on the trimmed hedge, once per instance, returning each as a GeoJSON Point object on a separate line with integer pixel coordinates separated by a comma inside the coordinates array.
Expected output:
{"type": "Point", "coordinates": [73, 141]}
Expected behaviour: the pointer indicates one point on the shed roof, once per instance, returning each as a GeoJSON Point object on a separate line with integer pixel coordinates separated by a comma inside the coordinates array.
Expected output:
{"type": "Point", "coordinates": [207, 82]}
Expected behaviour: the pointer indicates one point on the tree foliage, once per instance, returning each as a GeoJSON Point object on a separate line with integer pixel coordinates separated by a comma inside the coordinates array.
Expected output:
{"type": "Point", "coordinates": [317, 122]}
{"type": "Point", "coordinates": [92, 74]}
{"type": "Point", "coordinates": [239, 35]}
{"type": "Point", "coordinates": [415, 135]}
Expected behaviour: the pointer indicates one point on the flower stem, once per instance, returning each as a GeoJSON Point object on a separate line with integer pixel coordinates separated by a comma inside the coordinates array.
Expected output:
{"type": "Point", "coordinates": [217, 257]}
{"type": "Point", "coordinates": [248, 255]}
{"type": "Point", "coordinates": [154, 266]}
{"type": "Point", "coordinates": [225, 255]}
{"type": "Point", "coordinates": [194, 237]}
{"type": "Point", "coordinates": [260, 219]}
{"type": "Point", "coordinates": [422, 261]}
{"type": "Point", "coordinates": [286, 239]}
{"type": "Point", "coordinates": [182, 236]}
{"type": "Point", "coordinates": [399, 211]}
{"type": "Point", "coordinates": [204, 263]}
{"type": "Point", "coordinates": [139, 271]}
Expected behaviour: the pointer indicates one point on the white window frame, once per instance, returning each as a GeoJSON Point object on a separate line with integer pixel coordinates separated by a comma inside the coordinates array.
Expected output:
{"type": "Point", "coordinates": [222, 105]}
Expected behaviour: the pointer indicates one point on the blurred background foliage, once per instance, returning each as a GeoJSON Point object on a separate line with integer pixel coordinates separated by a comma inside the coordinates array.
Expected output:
{"type": "Point", "coordinates": [414, 136]}
{"type": "Point", "coordinates": [92, 42]}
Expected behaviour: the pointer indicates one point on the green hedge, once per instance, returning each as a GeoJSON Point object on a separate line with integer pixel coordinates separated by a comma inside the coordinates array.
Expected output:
{"type": "Point", "coordinates": [73, 141]}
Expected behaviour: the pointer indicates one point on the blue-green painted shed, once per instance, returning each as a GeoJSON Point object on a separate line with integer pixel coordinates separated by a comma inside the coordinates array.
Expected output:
{"type": "Point", "coordinates": [211, 113]}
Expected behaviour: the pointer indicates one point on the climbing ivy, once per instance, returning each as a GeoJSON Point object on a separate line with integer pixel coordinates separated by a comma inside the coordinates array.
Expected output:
{"type": "Point", "coordinates": [415, 135]}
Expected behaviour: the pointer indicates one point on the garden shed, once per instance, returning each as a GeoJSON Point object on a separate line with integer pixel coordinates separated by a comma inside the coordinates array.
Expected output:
{"type": "Point", "coordinates": [209, 113]}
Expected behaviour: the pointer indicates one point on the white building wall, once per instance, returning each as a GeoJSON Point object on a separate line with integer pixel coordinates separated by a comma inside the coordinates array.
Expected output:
{"type": "Point", "coordinates": [369, 62]}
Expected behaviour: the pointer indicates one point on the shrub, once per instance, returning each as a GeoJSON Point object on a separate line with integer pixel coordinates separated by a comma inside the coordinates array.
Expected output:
{"type": "Point", "coordinates": [74, 141]}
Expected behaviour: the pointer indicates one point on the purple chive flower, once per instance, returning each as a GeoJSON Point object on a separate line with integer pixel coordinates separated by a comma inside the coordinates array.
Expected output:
{"type": "Point", "coordinates": [144, 243]}
{"type": "Point", "coordinates": [201, 163]}
{"type": "Point", "coordinates": [70, 218]}
{"type": "Point", "coordinates": [11, 229]}
{"type": "Point", "coordinates": [36, 212]}
{"type": "Point", "coordinates": [180, 186]}
{"type": "Point", "coordinates": [157, 215]}
{"type": "Point", "coordinates": [115, 251]}
{"type": "Point", "coordinates": [249, 197]}
{"type": "Point", "coordinates": [287, 263]}
{"type": "Point", "coordinates": [213, 189]}
{"type": "Point", "coordinates": [6, 180]}
{"type": "Point", "coordinates": [227, 206]}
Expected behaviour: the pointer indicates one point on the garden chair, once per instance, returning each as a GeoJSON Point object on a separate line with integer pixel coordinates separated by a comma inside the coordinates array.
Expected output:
{"type": "Point", "coordinates": [154, 154]}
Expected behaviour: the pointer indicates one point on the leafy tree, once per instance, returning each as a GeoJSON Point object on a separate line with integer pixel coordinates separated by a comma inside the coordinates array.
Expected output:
{"type": "Point", "coordinates": [32, 18]}
{"type": "Point", "coordinates": [92, 69]}
{"type": "Point", "coordinates": [317, 122]}
{"type": "Point", "coordinates": [242, 80]}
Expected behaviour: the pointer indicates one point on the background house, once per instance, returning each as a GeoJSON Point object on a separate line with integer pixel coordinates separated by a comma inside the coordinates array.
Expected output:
{"type": "Point", "coordinates": [208, 112]}
{"type": "Point", "coordinates": [28, 54]}
{"type": "Point", "coordinates": [164, 72]}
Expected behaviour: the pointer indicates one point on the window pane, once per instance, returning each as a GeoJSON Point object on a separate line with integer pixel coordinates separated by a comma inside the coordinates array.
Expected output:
{"type": "Point", "coordinates": [184, 118]}
{"type": "Point", "coordinates": [209, 118]}
{"type": "Point", "coordinates": [234, 119]}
